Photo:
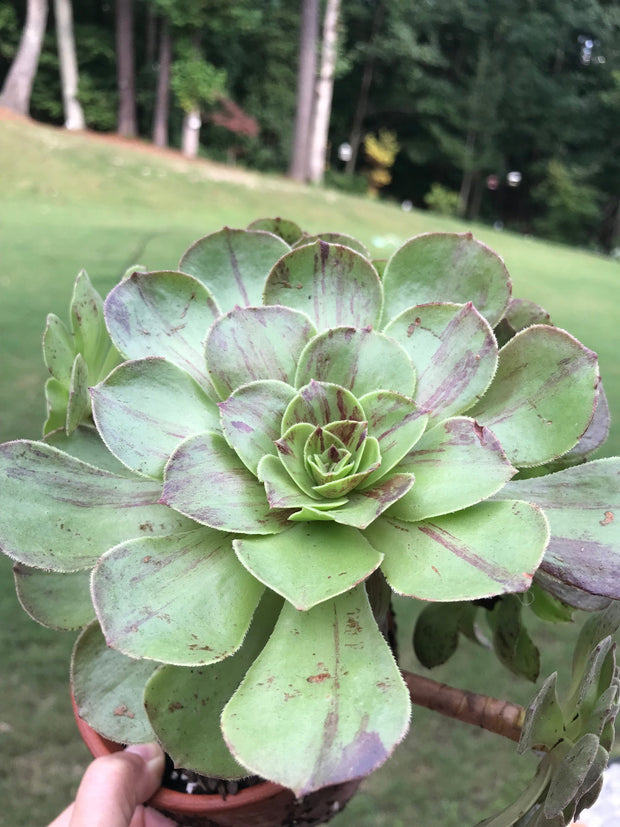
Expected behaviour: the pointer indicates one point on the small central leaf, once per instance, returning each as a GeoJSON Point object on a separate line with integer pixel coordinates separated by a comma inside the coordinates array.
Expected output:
{"type": "Point", "coordinates": [333, 464]}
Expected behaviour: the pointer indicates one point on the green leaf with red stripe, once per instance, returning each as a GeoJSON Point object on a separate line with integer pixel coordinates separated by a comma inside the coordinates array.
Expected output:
{"type": "Point", "coordinates": [488, 549]}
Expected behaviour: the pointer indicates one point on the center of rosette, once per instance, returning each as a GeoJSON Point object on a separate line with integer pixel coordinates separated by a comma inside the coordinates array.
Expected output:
{"type": "Point", "coordinates": [333, 464]}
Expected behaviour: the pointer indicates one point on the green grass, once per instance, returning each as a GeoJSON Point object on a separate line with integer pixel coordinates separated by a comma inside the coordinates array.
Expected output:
{"type": "Point", "coordinates": [69, 202]}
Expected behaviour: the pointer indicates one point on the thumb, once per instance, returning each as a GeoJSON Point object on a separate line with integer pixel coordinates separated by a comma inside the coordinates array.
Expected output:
{"type": "Point", "coordinates": [114, 785]}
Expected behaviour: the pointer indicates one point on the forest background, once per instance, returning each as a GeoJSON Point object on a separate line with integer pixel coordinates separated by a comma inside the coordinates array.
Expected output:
{"type": "Point", "coordinates": [501, 111]}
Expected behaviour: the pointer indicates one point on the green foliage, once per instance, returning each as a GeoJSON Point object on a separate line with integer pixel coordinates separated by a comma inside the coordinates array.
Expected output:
{"type": "Point", "coordinates": [381, 151]}
{"type": "Point", "coordinates": [572, 207]}
{"type": "Point", "coordinates": [354, 184]}
{"type": "Point", "coordinates": [441, 200]}
{"type": "Point", "coordinates": [196, 83]}
{"type": "Point", "coordinates": [10, 31]}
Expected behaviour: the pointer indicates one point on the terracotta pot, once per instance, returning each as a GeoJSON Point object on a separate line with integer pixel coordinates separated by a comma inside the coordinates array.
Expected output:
{"type": "Point", "coordinates": [263, 805]}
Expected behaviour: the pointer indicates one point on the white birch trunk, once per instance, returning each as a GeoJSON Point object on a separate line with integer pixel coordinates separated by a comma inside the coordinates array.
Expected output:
{"type": "Point", "coordinates": [190, 140]}
{"type": "Point", "coordinates": [324, 91]}
{"type": "Point", "coordinates": [306, 75]}
{"type": "Point", "coordinates": [74, 116]}
{"type": "Point", "coordinates": [18, 83]}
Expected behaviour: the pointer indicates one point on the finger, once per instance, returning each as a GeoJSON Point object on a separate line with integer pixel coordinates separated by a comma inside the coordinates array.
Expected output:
{"type": "Point", "coordinates": [114, 785]}
{"type": "Point", "coordinates": [147, 817]}
{"type": "Point", "coordinates": [64, 818]}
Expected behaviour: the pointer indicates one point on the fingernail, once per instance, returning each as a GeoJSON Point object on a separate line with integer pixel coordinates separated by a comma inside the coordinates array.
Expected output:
{"type": "Point", "coordinates": [152, 754]}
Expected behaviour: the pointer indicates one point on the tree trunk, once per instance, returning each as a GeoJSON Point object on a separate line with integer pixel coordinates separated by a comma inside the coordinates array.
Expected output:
{"type": "Point", "coordinates": [126, 77]}
{"type": "Point", "coordinates": [190, 141]}
{"type": "Point", "coordinates": [162, 101]}
{"type": "Point", "coordinates": [355, 136]}
{"type": "Point", "coordinates": [324, 90]}
{"type": "Point", "coordinates": [18, 84]}
{"type": "Point", "coordinates": [308, 37]}
{"type": "Point", "coordinates": [468, 174]}
{"type": "Point", "coordinates": [476, 198]}
{"type": "Point", "coordinates": [150, 36]}
{"type": "Point", "coordinates": [74, 116]}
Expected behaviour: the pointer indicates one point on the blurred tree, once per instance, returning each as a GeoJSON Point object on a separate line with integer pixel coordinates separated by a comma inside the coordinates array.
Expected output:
{"type": "Point", "coordinates": [126, 73]}
{"type": "Point", "coordinates": [195, 82]}
{"type": "Point", "coordinates": [63, 16]}
{"type": "Point", "coordinates": [306, 75]}
{"type": "Point", "coordinates": [162, 98]}
{"type": "Point", "coordinates": [323, 93]}
{"type": "Point", "coordinates": [17, 86]}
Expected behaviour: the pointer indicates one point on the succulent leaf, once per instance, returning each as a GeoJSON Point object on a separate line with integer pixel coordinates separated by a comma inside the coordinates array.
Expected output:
{"type": "Point", "coordinates": [283, 492]}
{"type": "Point", "coordinates": [362, 506]}
{"type": "Point", "coordinates": [571, 596]}
{"type": "Point", "coordinates": [233, 264]}
{"type": "Point", "coordinates": [542, 397]}
{"type": "Point", "coordinates": [327, 690]}
{"type": "Point", "coordinates": [595, 434]}
{"type": "Point", "coordinates": [438, 267]}
{"type": "Point", "coordinates": [335, 238]}
{"type": "Point", "coordinates": [164, 314]}
{"type": "Point", "coordinates": [251, 418]}
{"type": "Point", "coordinates": [581, 504]}
{"type": "Point", "coordinates": [292, 459]}
{"type": "Point", "coordinates": [360, 360]}
{"type": "Point", "coordinates": [76, 359]}
{"type": "Point", "coordinates": [547, 607]}
{"type": "Point", "coordinates": [287, 230]}
{"type": "Point", "coordinates": [78, 405]}
{"type": "Point", "coordinates": [87, 320]}
{"type": "Point", "coordinates": [320, 403]}
{"type": "Point", "coordinates": [58, 349]}
{"type": "Point", "coordinates": [594, 630]}
{"type": "Point", "coordinates": [436, 633]}
{"type": "Point", "coordinates": [61, 514]}
{"type": "Point", "coordinates": [251, 343]}
{"type": "Point", "coordinates": [511, 640]}
{"type": "Point", "coordinates": [454, 352]}
{"type": "Point", "coordinates": [184, 705]}
{"type": "Point", "coordinates": [185, 583]}
{"type": "Point", "coordinates": [570, 777]}
{"type": "Point", "coordinates": [544, 722]}
{"type": "Point", "coordinates": [521, 313]}
{"type": "Point", "coordinates": [108, 688]}
{"type": "Point", "coordinates": [86, 444]}
{"type": "Point", "coordinates": [311, 562]}
{"type": "Point", "coordinates": [57, 400]}
{"type": "Point", "coordinates": [478, 552]}
{"type": "Point", "coordinates": [146, 408]}
{"type": "Point", "coordinates": [397, 425]}
{"type": "Point", "coordinates": [457, 464]}
{"type": "Point", "coordinates": [204, 464]}
{"type": "Point", "coordinates": [58, 601]}
{"type": "Point", "coordinates": [332, 284]}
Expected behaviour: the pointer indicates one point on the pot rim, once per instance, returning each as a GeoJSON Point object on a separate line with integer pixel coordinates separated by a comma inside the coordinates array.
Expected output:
{"type": "Point", "coordinates": [182, 803]}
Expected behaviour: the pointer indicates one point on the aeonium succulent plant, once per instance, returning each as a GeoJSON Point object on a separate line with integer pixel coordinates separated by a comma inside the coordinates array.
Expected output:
{"type": "Point", "coordinates": [288, 437]}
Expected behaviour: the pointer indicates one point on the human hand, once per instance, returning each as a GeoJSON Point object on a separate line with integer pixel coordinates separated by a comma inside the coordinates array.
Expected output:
{"type": "Point", "coordinates": [113, 789]}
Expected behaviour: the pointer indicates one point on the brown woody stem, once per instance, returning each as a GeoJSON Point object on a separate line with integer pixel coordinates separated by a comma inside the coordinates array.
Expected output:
{"type": "Point", "coordinates": [497, 716]}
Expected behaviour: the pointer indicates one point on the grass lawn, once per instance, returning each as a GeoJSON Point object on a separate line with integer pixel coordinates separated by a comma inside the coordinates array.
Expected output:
{"type": "Point", "coordinates": [70, 202]}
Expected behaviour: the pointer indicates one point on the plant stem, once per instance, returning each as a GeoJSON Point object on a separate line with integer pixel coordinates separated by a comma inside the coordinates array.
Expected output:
{"type": "Point", "coordinates": [495, 715]}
